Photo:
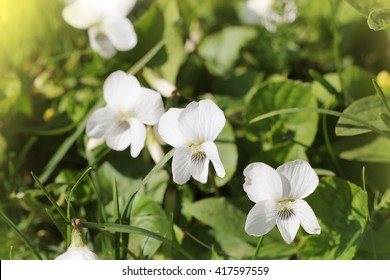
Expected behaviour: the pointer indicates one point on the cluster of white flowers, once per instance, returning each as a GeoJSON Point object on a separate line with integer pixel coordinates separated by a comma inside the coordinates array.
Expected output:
{"type": "Point", "coordinates": [131, 110]}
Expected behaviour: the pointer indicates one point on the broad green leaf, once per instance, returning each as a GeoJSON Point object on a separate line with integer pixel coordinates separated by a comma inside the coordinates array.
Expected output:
{"type": "Point", "coordinates": [300, 127]}
{"type": "Point", "coordinates": [376, 244]}
{"type": "Point", "coordinates": [357, 83]}
{"type": "Point", "coordinates": [364, 148]}
{"type": "Point", "coordinates": [221, 50]}
{"type": "Point", "coordinates": [379, 19]}
{"type": "Point", "coordinates": [342, 211]}
{"type": "Point", "coordinates": [220, 214]}
{"type": "Point", "coordinates": [366, 6]}
{"type": "Point", "coordinates": [148, 215]}
{"type": "Point", "coordinates": [368, 109]}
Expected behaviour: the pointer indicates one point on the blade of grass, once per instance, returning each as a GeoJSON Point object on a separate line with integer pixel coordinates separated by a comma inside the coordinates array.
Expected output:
{"type": "Point", "coordinates": [11, 253]}
{"type": "Point", "coordinates": [61, 230]}
{"type": "Point", "coordinates": [321, 111]}
{"type": "Point", "coordinates": [117, 236]}
{"type": "Point", "coordinates": [146, 58]}
{"type": "Point", "coordinates": [20, 234]}
{"type": "Point", "coordinates": [50, 198]}
{"type": "Point", "coordinates": [381, 95]}
{"type": "Point", "coordinates": [125, 220]}
{"type": "Point", "coordinates": [319, 78]}
{"type": "Point", "coordinates": [69, 203]}
{"type": "Point", "coordinates": [135, 230]}
{"type": "Point", "coordinates": [102, 209]}
{"type": "Point", "coordinates": [156, 168]}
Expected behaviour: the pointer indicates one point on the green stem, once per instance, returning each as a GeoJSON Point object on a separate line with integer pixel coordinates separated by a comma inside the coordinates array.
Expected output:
{"type": "Point", "coordinates": [259, 243]}
{"type": "Point", "coordinates": [322, 111]}
{"type": "Point", "coordinates": [336, 40]}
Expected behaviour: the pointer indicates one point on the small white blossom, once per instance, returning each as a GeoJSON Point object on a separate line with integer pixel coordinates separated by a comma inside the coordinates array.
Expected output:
{"type": "Point", "coordinates": [108, 27]}
{"type": "Point", "coordinates": [278, 195]}
{"type": "Point", "coordinates": [129, 108]}
{"type": "Point", "coordinates": [77, 249]}
{"type": "Point", "coordinates": [192, 132]}
{"type": "Point", "coordinates": [269, 13]}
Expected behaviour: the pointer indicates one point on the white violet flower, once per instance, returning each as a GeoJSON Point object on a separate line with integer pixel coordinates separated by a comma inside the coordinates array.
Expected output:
{"type": "Point", "coordinates": [278, 195]}
{"type": "Point", "coordinates": [129, 108]}
{"type": "Point", "coordinates": [192, 132]}
{"type": "Point", "coordinates": [77, 249]}
{"type": "Point", "coordinates": [269, 13]}
{"type": "Point", "coordinates": [109, 29]}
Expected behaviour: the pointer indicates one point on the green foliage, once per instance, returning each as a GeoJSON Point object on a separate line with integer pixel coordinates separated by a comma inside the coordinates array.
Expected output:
{"type": "Point", "coordinates": [305, 91]}
{"type": "Point", "coordinates": [342, 230]}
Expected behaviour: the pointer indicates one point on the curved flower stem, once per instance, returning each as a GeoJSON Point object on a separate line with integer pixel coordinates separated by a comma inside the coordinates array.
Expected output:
{"type": "Point", "coordinates": [254, 257]}
{"type": "Point", "coordinates": [322, 111]}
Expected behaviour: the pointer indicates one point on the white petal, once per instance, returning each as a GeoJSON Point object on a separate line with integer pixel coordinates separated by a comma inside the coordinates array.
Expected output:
{"type": "Point", "coordinates": [288, 227]}
{"type": "Point", "coordinates": [100, 43]}
{"type": "Point", "coordinates": [262, 182]}
{"type": "Point", "coordinates": [80, 15]}
{"type": "Point", "coordinates": [303, 180]}
{"type": "Point", "coordinates": [148, 107]}
{"type": "Point", "coordinates": [120, 90]}
{"type": "Point", "coordinates": [120, 32]}
{"type": "Point", "coordinates": [306, 217]}
{"type": "Point", "coordinates": [138, 135]}
{"type": "Point", "coordinates": [168, 128]}
{"type": "Point", "coordinates": [125, 6]}
{"type": "Point", "coordinates": [164, 87]}
{"type": "Point", "coordinates": [201, 121]}
{"type": "Point", "coordinates": [261, 218]}
{"type": "Point", "coordinates": [79, 253]}
{"type": "Point", "coordinates": [100, 122]}
{"type": "Point", "coordinates": [181, 165]}
{"type": "Point", "coordinates": [211, 151]}
{"type": "Point", "coordinates": [119, 136]}
{"type": "Point", "coordinates": [200, 169]}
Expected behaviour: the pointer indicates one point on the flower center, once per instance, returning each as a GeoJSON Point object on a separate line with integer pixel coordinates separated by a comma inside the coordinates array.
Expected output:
{"type": "Point", "coordinates": [198, 155]}
{"type": "Point", "coordinates": [285, 210]}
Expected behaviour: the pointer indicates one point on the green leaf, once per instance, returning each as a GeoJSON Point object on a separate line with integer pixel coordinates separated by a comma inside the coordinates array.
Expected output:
{"type": "Point", "coordinates": [148, 215]}
{"type": "Point", "coordinates": [379, 19]}
{"type": "Point", "coordinates": [227, 150]}
{"type": "Point", "coordinates": [342, 211]}
{"type": "Point", "coordinates": [365, 7]}
{"type": "Point", "coordinates": [221, 50]}
{"type": "Point", "coordinates": [300, 127]}
{"type": "Point", "coordinates": [219, 213]}
{"type": "Point", "coordinates": [368, 109]}
{"type": "Point", "coordinates": [376, 244]}
{"type": "Point", "coordinates": [364, 148]}
{"type": "Point", "coordinates": [357, 83]}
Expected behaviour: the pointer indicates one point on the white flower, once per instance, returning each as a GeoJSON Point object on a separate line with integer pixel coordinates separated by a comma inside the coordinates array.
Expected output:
{"type": "Point", "coordinates": [192, 132]}
{"type": "Point", "coordinates": [129, 108]}
{"type": "Point", "coordinates": [278, 195]}
{"type": "Point", "coordinates": [108, 27]}
{"type": "Point", "coordinates": [269, 13]}
{"type": "Point", "coordinates": [77, 249]}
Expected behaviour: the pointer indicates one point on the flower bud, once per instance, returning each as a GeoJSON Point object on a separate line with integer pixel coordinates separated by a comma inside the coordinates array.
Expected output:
{"type": "Point", "coordinates": [77, 249]}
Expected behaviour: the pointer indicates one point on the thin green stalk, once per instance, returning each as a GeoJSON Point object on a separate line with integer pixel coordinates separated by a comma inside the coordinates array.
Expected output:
{"type": "Point", "coordinates": [259, 243]}
{"type": "Point", "coordinates": [69, 204]}
{"type": "Point", "coordinates": [336, 40]}
{"type": "Point", "coordinates": [50, 198]}
{"type": "Point", "coordinates": [117, 236]}
{"type": "Point", "coordinates": [63, 233]}
{"type": "Point", "coordinates": [329, 147]}
{"type": "Point", "coordinates": [11, 253]}
{"type": "Point", "coordinates": [20, 234]}
{"type": "Point", "coordinates": [322, 111]}
{"type": "Point", "coordinates": [381, 95]}
{"type": "Point", "coordinates": [135, 230]}
{"type": "Point", "coordinates": [318, 77]}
